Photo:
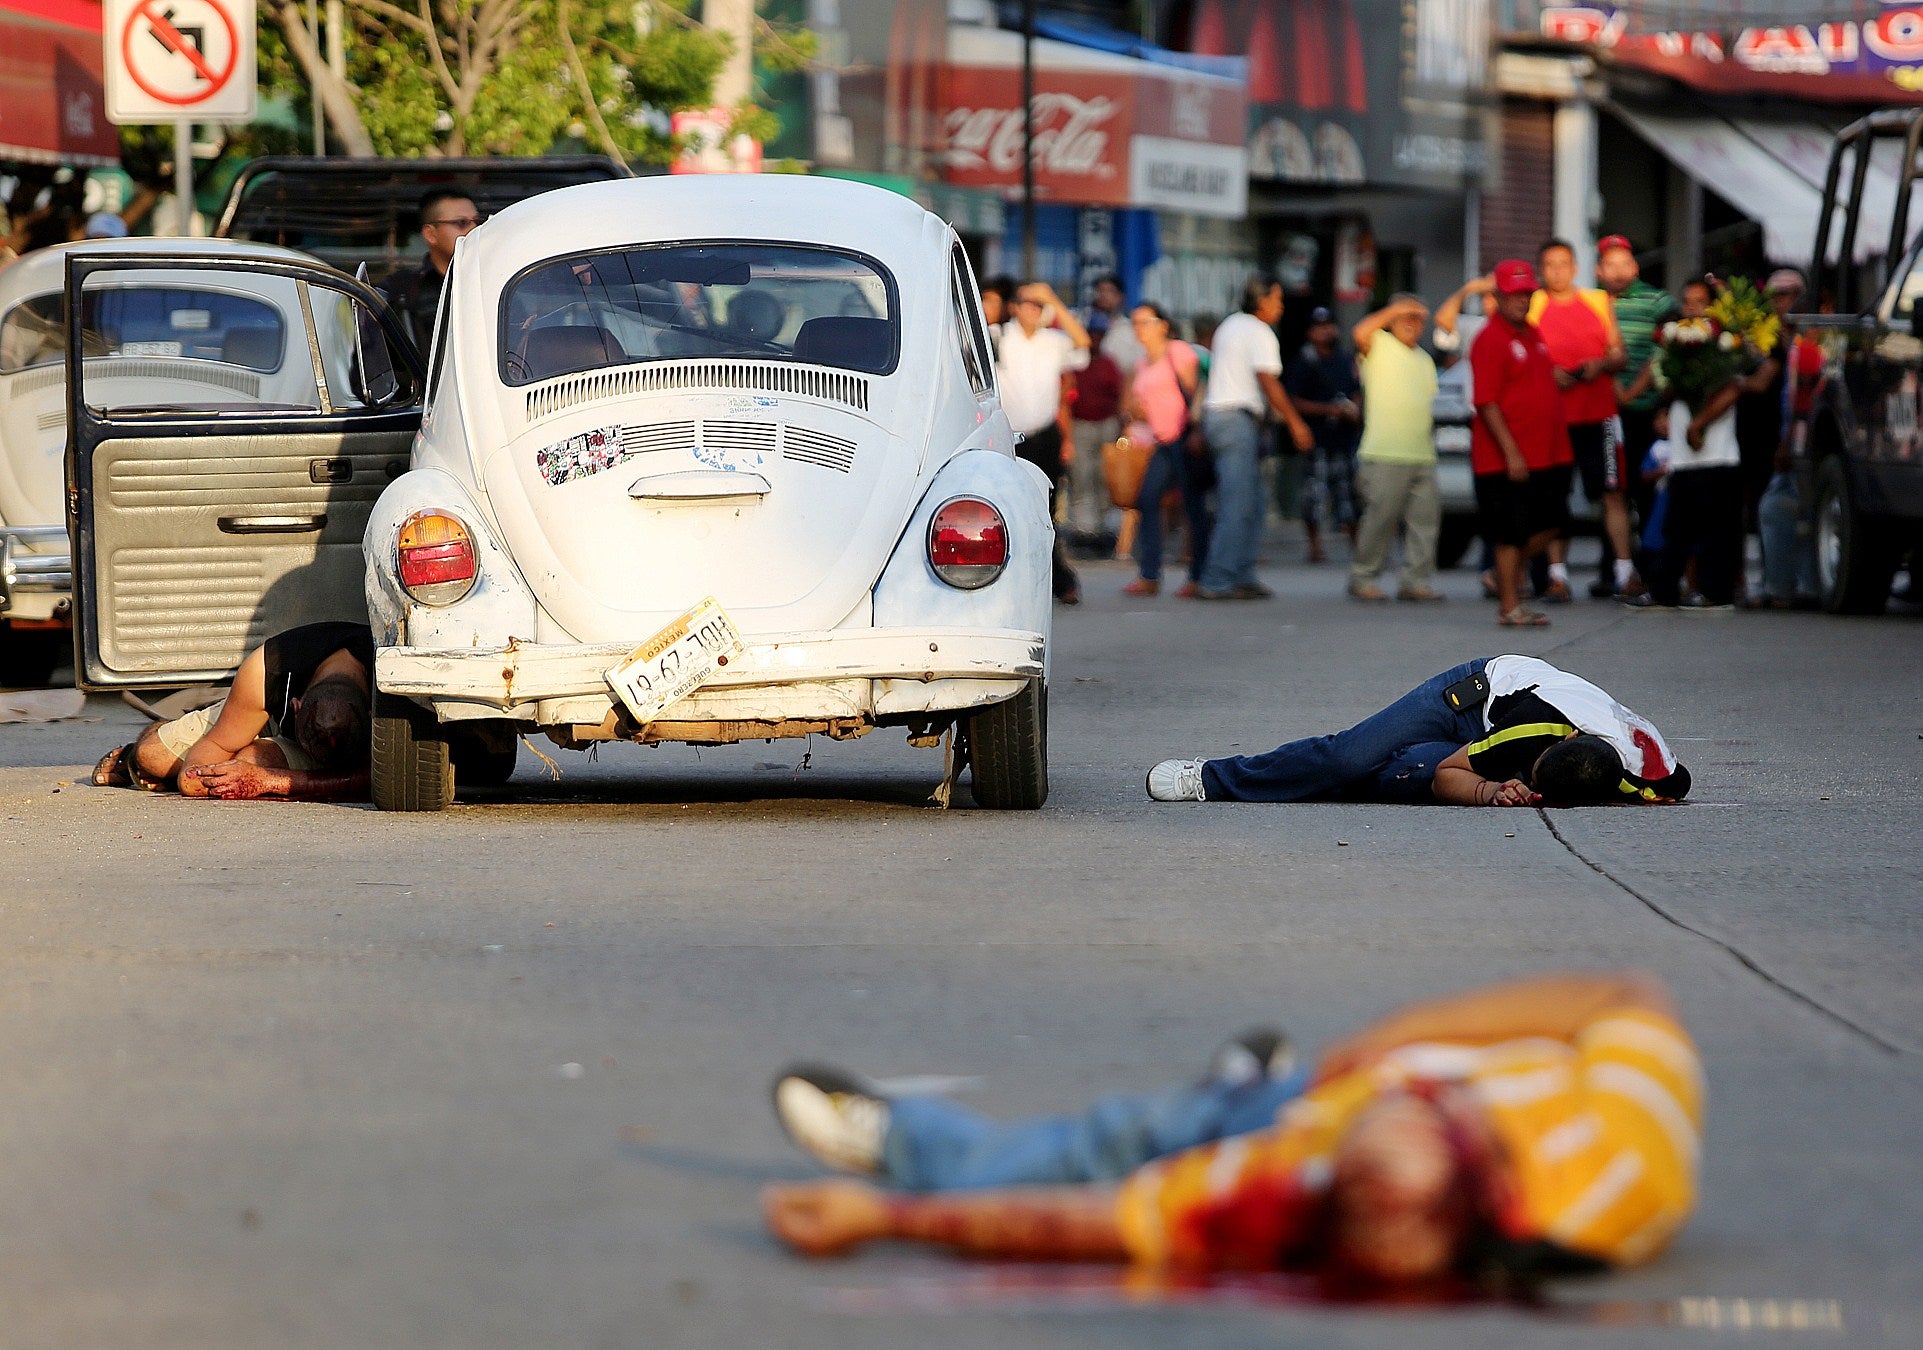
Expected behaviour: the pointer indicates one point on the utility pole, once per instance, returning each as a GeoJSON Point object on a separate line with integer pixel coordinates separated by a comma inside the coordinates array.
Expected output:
{"type": "Point", "coordinates": [1028, 138]}
{"type": "Point", "coordinates": [184, 178]}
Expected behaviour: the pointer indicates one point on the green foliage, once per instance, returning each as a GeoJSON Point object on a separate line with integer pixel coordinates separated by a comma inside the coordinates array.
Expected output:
{"type": "Point", "coordinates": [497, 77]}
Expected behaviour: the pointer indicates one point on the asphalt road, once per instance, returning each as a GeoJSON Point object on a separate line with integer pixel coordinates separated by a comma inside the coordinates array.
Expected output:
{"type": "Point", "coordinates": [308, 1075]}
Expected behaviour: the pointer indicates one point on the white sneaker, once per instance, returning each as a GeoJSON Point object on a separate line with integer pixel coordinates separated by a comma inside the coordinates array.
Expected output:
{"type": "Point", "coordinates": [832, 1118]}
{"type": "Point", "coordinates": [1177, 780]}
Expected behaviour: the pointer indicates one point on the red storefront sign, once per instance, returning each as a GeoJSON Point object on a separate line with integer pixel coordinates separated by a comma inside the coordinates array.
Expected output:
{"type": "Point", "coordinates": [1875, 60]}
{"type": "Point", "coordinates": [52, 101]}
{"type": "Point", "coordinates": [1115, 132]}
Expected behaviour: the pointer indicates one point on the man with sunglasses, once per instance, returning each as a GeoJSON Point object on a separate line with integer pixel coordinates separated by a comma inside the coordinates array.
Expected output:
{"type": "Point", "coordinates": [415, 292]}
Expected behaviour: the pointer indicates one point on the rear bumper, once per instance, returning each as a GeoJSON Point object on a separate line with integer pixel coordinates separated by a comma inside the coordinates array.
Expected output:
{"type": "Point", "coordinates": [783, 676]}
{"type": "Point", "coordinates": [35, 560]}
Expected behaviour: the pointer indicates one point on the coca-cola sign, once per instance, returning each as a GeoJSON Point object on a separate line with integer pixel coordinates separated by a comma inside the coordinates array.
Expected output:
{"type": "Point", "coordinates": [1102, 137]}
{"type": "Point", "coordinates": [1069, 137]}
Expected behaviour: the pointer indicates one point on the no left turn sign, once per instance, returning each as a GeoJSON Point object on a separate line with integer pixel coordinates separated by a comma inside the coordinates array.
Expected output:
{"type": "Point", "coordinates": [179, 60]}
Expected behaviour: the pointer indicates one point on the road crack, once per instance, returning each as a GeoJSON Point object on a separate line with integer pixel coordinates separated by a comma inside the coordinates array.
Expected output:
{"type": "Point", "coordinates": [1742, 958]}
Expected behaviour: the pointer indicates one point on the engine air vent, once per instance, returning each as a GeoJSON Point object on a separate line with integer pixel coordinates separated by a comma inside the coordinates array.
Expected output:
{"type": "Point", "coordinates": [742, 437]}
{"type": "Point", "coordinates": [829, 386]}
{"type": "Point", "coordinates": [814, 447]}
{"type": "Point", "coordinates": [656, 436]}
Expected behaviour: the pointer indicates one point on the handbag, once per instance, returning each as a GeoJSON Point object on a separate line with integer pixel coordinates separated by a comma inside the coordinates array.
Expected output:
{"type": "Point", "coordinates": [1124, 465]}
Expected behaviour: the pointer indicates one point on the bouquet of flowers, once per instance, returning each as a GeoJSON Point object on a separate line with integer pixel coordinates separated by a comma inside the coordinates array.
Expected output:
{"type": "Point", "coordinates": [1700, 356]}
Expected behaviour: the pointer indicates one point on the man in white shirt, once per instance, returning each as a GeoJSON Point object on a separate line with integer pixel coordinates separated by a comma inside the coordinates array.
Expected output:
{"type": "Point", "coordinates": [1032, 361]}
{"type": "Point", "coordinates": [1245, 379]}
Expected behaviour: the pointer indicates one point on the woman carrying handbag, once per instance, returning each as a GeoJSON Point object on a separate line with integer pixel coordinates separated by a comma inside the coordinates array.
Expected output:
{"type": "Point", "coordinates": [1159, 406]}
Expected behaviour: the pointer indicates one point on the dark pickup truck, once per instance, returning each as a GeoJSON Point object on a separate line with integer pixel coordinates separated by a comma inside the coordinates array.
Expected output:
{"type": "Point", "coordinates": [347, 212]}
{"type": "Point", "coordinates": [1861, 443]}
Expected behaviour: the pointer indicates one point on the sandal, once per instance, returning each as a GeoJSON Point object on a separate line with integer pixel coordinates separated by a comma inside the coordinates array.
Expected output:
{"type": "Point", "coordinates": [1519, 617]}
{"type": "Point", "coordinates": [1142, 586]}
{"type": "Point", "coordinates": [112, 770]}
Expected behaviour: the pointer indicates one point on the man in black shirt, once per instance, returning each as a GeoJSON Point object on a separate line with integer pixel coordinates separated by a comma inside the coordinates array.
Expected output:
{"type": "Point", "coordinates": [1496, 731]}
{"type": "Point", "coordinates": [1327, 391]}
{"type": "Point", "coordinates": [295, 724]}
{"type": "Point", "coordinates": [415, 292]}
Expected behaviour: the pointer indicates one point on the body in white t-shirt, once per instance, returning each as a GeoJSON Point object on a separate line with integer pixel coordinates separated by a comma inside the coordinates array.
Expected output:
{"type": "Point", "coordinates": [1031, 370]}
{"type": "Point", "coordinates": [1244, 346]}
{"type": "Point", "coordinates": [1720, 450]}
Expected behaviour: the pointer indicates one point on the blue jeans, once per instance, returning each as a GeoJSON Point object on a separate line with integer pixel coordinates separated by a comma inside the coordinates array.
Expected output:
{"type": "Point", "coordinates": [1390, 757]}
{"type": "Point", "coordinates": [1233, 439]}
{"type": "Point", "coordinates": [935, 1145]}
{"type": "Point", "coordinates": [1789, 540]}
{"type": "Point", "coordinates": [1171, 468]}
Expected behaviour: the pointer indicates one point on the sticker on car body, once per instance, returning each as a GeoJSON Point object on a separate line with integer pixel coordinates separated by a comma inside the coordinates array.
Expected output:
{"type": "Point", "coordinates": [579, 456]}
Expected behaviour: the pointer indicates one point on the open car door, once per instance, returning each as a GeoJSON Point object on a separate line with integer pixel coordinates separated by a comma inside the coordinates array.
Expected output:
{"type": "Point", "coordinates": [231, 421]}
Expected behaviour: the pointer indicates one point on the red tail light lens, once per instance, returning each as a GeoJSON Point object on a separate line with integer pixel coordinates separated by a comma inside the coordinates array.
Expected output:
{"type": "Point", "coordinates": [967, 543]}
{"type": "Point", "coordinates": [436, 558]}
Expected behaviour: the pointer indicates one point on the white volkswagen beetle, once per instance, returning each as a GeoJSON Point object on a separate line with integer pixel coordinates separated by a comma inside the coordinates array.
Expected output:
{"type": "Point", "coordinates": [711, 460]}
{"type": "Point", "coordinates": [693, 459]}
{"type": "Point", "coordinates": [150, 337]}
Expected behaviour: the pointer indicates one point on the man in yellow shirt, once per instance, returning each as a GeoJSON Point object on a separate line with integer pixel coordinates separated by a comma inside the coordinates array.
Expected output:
{"type": "Point", "coordinates": [1543, 1125]}
{"type": "Point", "coordinates": [1396, 464]}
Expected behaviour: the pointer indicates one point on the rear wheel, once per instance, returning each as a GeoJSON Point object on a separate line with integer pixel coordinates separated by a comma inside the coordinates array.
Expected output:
{"type": "Point", "coordinates": [412, 767]}
{"type": "Point", "coordinates": [1008, 751]}
{"type": "Point", "coordinates": [1855, 557]}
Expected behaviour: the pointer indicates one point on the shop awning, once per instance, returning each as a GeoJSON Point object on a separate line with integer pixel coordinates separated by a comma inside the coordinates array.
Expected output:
{"type": "Point", "coordinates": [52, 101]}
{"type": "Point", "coordinates": [1770, 171]}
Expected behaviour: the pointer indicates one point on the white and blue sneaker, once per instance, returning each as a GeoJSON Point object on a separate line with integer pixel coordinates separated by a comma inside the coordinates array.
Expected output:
{"type": "Point", "coordinates": [1177, 780]}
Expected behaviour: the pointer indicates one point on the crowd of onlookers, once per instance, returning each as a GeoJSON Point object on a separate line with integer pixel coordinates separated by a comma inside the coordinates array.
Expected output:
{"type": "Point", "coordinates": [1160, 436]}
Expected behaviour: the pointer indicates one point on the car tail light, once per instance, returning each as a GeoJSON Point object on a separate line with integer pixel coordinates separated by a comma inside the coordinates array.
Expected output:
{"type": "Point", "coordinates": [436, 558]}
{"type": "Point", "coordinates": [967, 543]}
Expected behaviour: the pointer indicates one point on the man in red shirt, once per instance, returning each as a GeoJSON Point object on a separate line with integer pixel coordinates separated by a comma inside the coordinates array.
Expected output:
{"type": "Point", "coordinates": [1520, 448]}
{"type": "Point", "coordinates": [1579, 328]}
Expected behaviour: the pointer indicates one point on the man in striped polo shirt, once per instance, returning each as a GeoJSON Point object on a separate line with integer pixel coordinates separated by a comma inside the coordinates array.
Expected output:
{"type": "Point", "coordinates": [1641, 311]}
{"type": "Point", "coordinates": [1542, 1126]}
{"type": "Point", "coordinates": [1496, 731]}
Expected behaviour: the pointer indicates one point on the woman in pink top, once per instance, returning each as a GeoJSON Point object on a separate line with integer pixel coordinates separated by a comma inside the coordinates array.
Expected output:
{"type": "Point", "coordinates": [1157, 405]}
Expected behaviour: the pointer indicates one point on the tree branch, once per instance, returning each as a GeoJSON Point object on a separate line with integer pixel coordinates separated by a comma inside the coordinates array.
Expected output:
{"type": "Point", "coordinates": [581, 82]}
{"type": "Point", "coordinates": [336, 95]}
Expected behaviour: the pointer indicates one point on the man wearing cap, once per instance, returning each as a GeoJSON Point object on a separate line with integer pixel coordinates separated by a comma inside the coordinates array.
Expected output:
{"type": "Point", "coordinates": [1579, 329]}
{"type": "Point", "coordinates": [1519, 450]}
{"type": "Point", "coordinates": [1641, 310]}
{"type": "Point", "coordinates": [1323, 382]}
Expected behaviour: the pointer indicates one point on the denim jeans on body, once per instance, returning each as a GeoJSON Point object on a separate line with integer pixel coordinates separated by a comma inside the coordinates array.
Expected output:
{"type": "Point", "coordinates": [934, 1144]}
{"type": "Point", "coordinates": [1171, 467]}
{"type": "Point", "coordinates": [1233, 438]}
{"type": "Point", "coordinates": [1789, 540]}
{"type": "Point", "coordinates": [1390, 757]}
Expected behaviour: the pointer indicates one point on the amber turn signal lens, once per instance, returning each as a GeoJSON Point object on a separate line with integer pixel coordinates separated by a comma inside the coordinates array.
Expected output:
{"type": "Point", "coordinates": [436, 558]}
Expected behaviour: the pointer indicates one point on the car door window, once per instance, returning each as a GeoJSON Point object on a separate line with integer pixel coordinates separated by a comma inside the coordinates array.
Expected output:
{"type": "Point", "coordinates": [968, 325]}
{"type": "Point", "coordinates": [192, 343]}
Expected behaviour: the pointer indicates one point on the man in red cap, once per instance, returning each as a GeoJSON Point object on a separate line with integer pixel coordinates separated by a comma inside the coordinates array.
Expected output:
{"type": "Point", "coordinates": [1520, 450]}
{"type": "Point", "coordinates": [1579, 328]}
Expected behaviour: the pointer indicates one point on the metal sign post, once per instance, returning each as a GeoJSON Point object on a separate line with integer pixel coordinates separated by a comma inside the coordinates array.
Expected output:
{"type": "Point", "coordinates": [180, 62]}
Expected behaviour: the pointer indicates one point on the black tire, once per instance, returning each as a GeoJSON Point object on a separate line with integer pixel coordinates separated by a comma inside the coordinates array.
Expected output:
{"type": "Point", "coordinates": [412, 769]}
{"type": "Point", "coordinates": [484, 756]}
{"type": "Point", "coordinates": [1008, 751]}
{"type": "Point", "coordinates": [28, 658]}
{"type": "Point", "coordinates": [1855, 556]}
{"type": "Point", "coordinates": [1458, 532]}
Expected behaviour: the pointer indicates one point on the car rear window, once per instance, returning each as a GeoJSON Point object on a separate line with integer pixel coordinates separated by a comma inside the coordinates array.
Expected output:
{"type": "Point", "coordinates": [765, 302]}
{"type": "Point", "coordinates": [147, 321]}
